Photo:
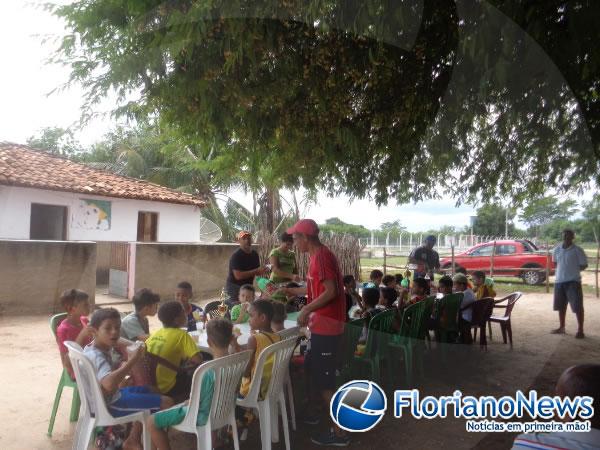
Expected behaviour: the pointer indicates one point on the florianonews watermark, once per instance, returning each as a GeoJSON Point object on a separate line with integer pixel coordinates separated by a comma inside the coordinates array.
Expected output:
{"type": "Point", "coordinates": [359, 405]}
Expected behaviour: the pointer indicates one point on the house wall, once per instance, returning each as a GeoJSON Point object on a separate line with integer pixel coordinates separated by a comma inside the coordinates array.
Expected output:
{"type": "Point", "coordinates": [33, 274]}
{"type": "Point", "coordinates": [176, 223]}
{"type": "Point", "coordinates": [161, 266]}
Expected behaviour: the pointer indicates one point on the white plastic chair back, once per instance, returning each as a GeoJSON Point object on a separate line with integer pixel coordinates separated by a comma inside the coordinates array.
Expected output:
{"type": "Point", "coordinates": [90, 392]}
{"type": "Point", "coordinates": [228, 372]}
{"type": "Point", "coordinates": [290, 333]}
{"type": "Point", "coordinates": [282, 353]}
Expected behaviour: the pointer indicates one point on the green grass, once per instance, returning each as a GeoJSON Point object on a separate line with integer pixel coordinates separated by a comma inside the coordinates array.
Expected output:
{"type": "Point", "coordinates": [503, 285]}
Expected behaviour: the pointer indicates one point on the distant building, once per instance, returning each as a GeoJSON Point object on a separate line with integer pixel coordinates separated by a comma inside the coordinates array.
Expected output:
{"type": "Point", "coordinates": [46, 197]}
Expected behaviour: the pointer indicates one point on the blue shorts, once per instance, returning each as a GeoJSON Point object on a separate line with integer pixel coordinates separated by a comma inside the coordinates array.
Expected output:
{"type": "Point", "coordinates": [568, 292]}
{"type": "Point", "coordinates": [133, 399]}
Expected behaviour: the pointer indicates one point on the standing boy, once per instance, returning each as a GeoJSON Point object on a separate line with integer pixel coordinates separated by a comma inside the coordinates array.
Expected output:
{"type": "Point", "coordinates": [325, 315]}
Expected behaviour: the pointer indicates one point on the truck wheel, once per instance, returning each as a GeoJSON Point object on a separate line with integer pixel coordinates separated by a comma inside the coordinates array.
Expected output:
{"type": "Point", "coordinates": [532, 277]}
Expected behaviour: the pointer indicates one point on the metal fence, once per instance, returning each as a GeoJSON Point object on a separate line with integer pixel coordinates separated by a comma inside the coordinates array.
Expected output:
{"type": "Point", "coordinates": [406, 242]}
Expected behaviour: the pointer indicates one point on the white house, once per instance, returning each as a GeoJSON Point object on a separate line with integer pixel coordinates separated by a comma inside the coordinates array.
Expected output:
{"type": "Point", "coordinates": [47, 197]}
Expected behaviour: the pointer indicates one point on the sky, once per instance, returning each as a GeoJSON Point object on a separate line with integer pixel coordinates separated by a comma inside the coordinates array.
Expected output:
{"type": "Point", "coordinates": [26, 80]}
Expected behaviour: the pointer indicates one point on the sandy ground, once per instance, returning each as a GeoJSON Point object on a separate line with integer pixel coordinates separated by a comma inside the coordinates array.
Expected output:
{"type": "Point", "coordinates": [30, 368]}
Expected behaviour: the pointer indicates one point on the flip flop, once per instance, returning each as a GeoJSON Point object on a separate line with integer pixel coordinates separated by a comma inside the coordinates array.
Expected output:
{"type": "Point", "coordinates": [579, 335]}
{"type": "Point", "coordinates": [558, 331]}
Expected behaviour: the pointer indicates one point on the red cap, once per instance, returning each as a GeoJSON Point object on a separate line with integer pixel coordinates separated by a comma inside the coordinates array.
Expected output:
{"type": "Point", "coordinates": [243, 234]}
{"type": "Point", "coordinates": [305, 226]}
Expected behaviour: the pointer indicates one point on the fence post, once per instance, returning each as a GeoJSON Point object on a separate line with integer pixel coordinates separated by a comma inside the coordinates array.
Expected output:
{"type": "Point", "coordinates": [547, 268]}
{"type": "Point", "coordinates": [597, 257]}
{"type": "Point", "coordinates": [492, 260]}
{"type": "Point", "coordinates": [384, 261]}
{"type": "Point", "coordinates": [452, 249]}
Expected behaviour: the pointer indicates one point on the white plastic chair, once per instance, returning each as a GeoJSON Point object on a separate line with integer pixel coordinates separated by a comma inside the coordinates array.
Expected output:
{"type": "Point", "coordinates": [228, 372]}
{"type": "Point", "coordinates": [274, 400]}
{"type": "Point", "coordinates": [94, 412]}
{"type": "Point", "coordinates": [289, 333]}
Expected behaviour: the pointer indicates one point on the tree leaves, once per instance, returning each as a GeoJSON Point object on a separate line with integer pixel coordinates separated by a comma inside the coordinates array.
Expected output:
{"type": "Point", "coordinates": [403, 100]}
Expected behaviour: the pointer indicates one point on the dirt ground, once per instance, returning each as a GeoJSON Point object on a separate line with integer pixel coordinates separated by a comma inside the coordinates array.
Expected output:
{"type": "Point", "coordinates": [30, 368]}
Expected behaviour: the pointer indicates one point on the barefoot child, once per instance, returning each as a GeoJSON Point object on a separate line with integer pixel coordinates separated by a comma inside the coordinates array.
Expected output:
{"type": "Point", "coordinates": [135, 326]}
{"type": "Point", "coordinates": [239, 313]}
{"type": "Point", "coordinates": [111, 373]}
{"type": "Point", "coordinates": [74, 327]}
{"type": "Point", "coordinates": [219, 333]}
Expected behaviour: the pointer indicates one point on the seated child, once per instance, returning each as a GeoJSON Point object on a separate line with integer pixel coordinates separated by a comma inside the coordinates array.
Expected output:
{"type": "Point", "coordinates": [239, 312]}
{"type": "Point", "coordinates": [135, 326]}
{"type": "Point", "coordinates": [371, 300]}
{"type": "Point", "coordinates": [480, 286]}
{"type": "Point", "coordinates": [389, 281]}
{"type": "Point", "coordinates": [111, 373]}
{"type": "Point", "coordinates": [183, 294]}
{"type": "Point", "coordinates": [279, 316]}
{"type": "Point", "coordinates": [294, 302]}
{"type": "Point", "coordinates": [74, 327]}
{"type": "Point", "coordinates": [170, 347]}
{"type": "Point", "coordinates": [219, 333]}
{"type": "Point", "coordinates": [437, 314]}
{"type": "Point", "coordinates": [352, 297]}
{"type": "Point", "coordinates": [464, 272]}
{"type": "Point", "coordinates": [387, 298]}
{"type": "Point", "coordinates": [420, 286]}
{"type": "Point", "coordinates": [399, 279]}
{"type": "Point", "coordinates": [375, 278]}
{"type": "Point", "coordinates": [261, 315]}
{"type": "Point", "coordinates": [460, 282]}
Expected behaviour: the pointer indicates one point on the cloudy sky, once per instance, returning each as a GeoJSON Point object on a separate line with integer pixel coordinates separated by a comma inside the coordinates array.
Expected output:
{"type": "Point", "coordinates": [26, 80]}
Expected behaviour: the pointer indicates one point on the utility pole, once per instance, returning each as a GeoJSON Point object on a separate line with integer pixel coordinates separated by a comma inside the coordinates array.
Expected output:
{"type": "Point", "coordinates": [506, 223]}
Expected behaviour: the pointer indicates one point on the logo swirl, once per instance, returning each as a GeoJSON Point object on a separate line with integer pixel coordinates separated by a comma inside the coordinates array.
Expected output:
{"type": "Point", "coordinates": [358, 405]}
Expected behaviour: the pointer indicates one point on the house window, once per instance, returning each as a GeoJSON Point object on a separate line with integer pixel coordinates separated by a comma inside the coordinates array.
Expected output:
{"type": "Point", "coordinates": [48, 222]}
{"type": "Point", "coordinates": [147, 226]}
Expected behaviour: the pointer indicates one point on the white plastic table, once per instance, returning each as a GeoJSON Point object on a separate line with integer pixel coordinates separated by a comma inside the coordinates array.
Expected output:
{"type": "Point", "coordinates": [244, 329]}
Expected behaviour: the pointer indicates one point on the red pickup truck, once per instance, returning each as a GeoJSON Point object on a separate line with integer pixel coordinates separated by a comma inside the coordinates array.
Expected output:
{"type": "Point", "coordinates": [516, 258]}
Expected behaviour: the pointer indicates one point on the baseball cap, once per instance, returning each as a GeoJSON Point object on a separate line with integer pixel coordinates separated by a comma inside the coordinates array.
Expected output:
{"type": "Point", "coordinates": [460, 278]}
{"type": "Point", "coordinates": [243, 234]}
{"type": "Point", "coordinates": [305, 226]}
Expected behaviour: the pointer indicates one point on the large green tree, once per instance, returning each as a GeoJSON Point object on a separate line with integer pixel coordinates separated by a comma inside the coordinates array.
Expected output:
{"type": "Point", "coordinates": [491, 220]}
{"type": "Point", "coordinates": [383, 97]}
{"type": "Point", "coordinates": [540, 212]}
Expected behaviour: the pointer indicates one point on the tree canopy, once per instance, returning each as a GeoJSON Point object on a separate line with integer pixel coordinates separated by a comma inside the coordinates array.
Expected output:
{"type": "Point", "coordinates": [544, 210]}
{"type": "Point", "coordinates": [491, 221]}
{"type": "Point", "coordinates": [388, 98]}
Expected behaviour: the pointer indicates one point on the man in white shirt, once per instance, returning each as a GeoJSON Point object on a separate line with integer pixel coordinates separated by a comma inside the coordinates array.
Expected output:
{"type": "Point", "coordinates": [570, 261]}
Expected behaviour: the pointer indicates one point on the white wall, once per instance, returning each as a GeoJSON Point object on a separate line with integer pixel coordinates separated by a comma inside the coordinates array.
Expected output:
{"type": "Point", "coordinates": [176, 223]}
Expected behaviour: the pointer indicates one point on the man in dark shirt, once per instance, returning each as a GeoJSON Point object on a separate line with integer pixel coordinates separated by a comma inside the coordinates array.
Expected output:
{"type": "Point", "coordinates": [244, 265]}
{"type": "Point", "coordinates": [426, 259]}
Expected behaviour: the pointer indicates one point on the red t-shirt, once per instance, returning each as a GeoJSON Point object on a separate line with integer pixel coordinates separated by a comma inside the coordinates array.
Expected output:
{"type": "Point", "coordinates": [68, 332]}
{"type": "Point", "coordinates": [329, 320]}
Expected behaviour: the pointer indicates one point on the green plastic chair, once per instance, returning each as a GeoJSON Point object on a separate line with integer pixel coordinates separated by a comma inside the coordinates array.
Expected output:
{"type": "Point", "coordinates": [65, 381]}
{"type": "Point", "coordinates": [379, 332]}
{"type": "Point", "coordinates": [352, 331]}
{"type": "Point", "coordinates": [412, 331]}
{"type": "Point", "coordinates": [450, 308]}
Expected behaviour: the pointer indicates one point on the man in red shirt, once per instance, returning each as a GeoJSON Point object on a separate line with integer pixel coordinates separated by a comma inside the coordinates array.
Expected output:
{"type": "Point", "coordinates": [325, 315]}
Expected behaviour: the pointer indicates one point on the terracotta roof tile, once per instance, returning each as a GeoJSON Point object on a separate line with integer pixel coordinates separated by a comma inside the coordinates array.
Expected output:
{"type": "Point", "coordinates": [24, 166]}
